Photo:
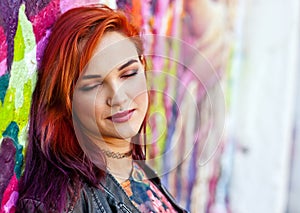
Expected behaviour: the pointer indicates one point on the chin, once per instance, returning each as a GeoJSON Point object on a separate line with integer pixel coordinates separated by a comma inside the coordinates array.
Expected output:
{"type": "Point", "coordinates": [127, 132]}
{"type": "Point", "coordinates": [127, 135]}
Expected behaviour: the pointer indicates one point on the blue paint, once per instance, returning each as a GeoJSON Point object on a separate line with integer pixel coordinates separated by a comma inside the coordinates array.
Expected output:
{"type": "Point", "coordinates": [4, 81]}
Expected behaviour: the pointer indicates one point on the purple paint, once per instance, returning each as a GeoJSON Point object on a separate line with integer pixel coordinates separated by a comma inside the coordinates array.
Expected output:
{"type": "Point", "coordinates": [124, 4]}
{"type": "Point", "coordinates": [33, 7]}
{"type": "Point", "coordinates": [9, 21]}
{"type": "Point", "coordinates": [44, 19]}
{"type": "Point", "coordinates": [40, 47]}
{"type": "Point", "coordinates": [7, 162]}
{"type": "Point", "coordinates": [42, 15]}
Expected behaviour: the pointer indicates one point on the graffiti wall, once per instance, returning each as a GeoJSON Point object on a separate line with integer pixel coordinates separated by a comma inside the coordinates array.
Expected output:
{"type": "Point", "coordinates": [25, 27]}
{"type": "Point", "coordinates": [199, 77]}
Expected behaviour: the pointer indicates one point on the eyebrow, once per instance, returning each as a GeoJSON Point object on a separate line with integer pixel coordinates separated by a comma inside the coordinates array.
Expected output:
{"type": "Point", "coordinates": [127, 64]}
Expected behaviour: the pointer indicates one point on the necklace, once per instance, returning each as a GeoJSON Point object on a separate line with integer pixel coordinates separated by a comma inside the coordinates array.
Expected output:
{"type": "Point", "coordinates": [116, 155]}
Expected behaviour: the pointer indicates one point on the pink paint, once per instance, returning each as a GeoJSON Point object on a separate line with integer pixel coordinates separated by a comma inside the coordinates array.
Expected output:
{"type": "Point", "coordinates": [42, 24]}
{"type": "Point", "coordinates": [66, 5]}
{"type": "Point", "coordinates": [45, 19]}
{"type": "Point", "coordinates": [161, 11]}
{"type": "Point", "coordinates": [10, 196]}
{"type": "Point", "coordinates": [3, 44]}
{"type": "Point", "coordinates": [3, 67]}
{"type": "Point", "coordinates": [3, 52]}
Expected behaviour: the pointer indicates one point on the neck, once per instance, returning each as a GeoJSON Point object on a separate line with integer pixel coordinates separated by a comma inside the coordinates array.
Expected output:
{"type": "Point", "coordinates": [119, 168]}
{"type": "Point", "coordinates": [116, 145]}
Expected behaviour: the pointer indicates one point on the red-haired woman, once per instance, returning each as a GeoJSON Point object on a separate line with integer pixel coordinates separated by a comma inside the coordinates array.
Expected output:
{"type": "Point", "coordinates": [85, 145]}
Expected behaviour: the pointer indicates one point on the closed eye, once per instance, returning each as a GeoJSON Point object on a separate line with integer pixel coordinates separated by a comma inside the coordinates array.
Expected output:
{"type": "Point", "coordinates": [90, 87]}
{"type": "Point", "coordinates": [130, 73]}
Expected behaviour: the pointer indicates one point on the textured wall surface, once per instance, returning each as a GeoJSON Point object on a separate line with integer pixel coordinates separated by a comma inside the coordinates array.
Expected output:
{"type": "Point", "coordinates": [214, 157]}
{"type": "Point", "coordinates": [178, 94]}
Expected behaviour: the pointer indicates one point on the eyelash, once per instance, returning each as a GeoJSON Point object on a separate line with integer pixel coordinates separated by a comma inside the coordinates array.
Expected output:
{"type": "Point", "coordinates": [132, 73]}
{"type": "Point", "coordinates": [88, 88]}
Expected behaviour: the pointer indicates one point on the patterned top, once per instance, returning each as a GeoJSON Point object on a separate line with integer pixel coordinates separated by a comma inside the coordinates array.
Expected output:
{"type": "Point", "coordinates": [144, 194]}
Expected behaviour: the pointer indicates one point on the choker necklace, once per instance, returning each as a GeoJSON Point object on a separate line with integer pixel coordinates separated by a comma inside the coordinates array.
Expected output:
{"type": "Point", "coordinates": [116, 155]}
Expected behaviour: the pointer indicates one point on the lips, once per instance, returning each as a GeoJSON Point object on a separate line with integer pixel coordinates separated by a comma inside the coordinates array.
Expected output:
{"type": "Point", "coordinates": [121, 117]}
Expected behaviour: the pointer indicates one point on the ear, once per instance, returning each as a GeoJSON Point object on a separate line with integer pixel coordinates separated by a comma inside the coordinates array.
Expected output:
{"type": "Point", "coordinates": [143, 61]}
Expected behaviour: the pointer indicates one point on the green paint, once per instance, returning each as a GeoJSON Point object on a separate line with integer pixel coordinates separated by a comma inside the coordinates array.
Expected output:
{"type": "Point", "coordinates": [27, 30]}
{"type": "Point", "coordinates": [23, 112]}
{"type": "Point", "coordinates": [12, 119]}
{"type": "Point", "coordinates": [16, 89]}
{"type": "Point", "coordinates": [18, 79]}
{"type": "Point", "coordinates": [8, 110]}
{"type": "Point", "coordinates": [19, 44]}
{"type": "Point", "coordinates": [17, 100]}
{"type": "Point", "coordinates": [24, 39]}
{"type": "Point", "coordinates": [4, 81]}
{"type": "Point", "coordinates": [25, 69]}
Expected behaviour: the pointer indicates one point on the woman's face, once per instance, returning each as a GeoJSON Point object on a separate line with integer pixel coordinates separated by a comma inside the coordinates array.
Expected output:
{"type": "Point", "coordinates": [110, 98]}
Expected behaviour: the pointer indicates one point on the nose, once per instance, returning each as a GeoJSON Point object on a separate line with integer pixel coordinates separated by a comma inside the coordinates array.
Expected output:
{"type": "Point", "coordinates": [117, 94]}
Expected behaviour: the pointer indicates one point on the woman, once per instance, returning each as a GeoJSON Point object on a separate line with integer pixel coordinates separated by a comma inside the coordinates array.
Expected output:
{"type": "Point", "coordinates": [87, 122]}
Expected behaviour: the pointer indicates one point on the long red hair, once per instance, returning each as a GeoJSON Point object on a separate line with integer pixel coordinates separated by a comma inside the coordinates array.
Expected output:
{"type": "Point", "coordinates": [55, 162]}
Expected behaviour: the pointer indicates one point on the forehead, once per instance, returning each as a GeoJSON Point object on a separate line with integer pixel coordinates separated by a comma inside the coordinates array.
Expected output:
{"type": "Point", "coordinates": [112, 50]}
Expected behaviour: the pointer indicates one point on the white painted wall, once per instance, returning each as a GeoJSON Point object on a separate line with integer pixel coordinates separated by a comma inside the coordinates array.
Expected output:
{"type": "Point", "coordinates": [263, 106]}
{"type": "Point", "coordinates": [294, 185]}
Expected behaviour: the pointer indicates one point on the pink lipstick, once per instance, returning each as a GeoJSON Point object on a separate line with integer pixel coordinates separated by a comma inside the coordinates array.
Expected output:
{"type": "Point", "coordinates": [121, 117]}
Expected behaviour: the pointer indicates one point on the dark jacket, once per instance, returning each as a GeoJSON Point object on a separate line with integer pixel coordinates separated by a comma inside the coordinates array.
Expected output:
{"type": "Point", "coordinates": [110, 198]}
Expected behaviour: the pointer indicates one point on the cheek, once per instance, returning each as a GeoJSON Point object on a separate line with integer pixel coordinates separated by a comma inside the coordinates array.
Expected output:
{"type": "Point", "coordinates": [142, 102]}
{"type": "Point", "coordinates": [137, 88]}
{"type": "Point", "coordinates": [100, 107]}
{"type": "Point", "coordinates": [139, 94]}
{"type": "Point", "coordinates": [82, 104]}
{"type": "Point", "coordinates": [99, 113]}
{"type": "Point", "coordinates": [84, 110]}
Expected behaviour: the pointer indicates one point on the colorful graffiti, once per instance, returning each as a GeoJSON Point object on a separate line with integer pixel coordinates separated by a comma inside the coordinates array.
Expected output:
{"type": "Point", "coordinates": [25, 27]}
